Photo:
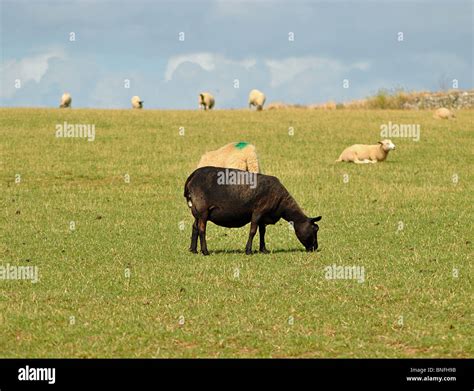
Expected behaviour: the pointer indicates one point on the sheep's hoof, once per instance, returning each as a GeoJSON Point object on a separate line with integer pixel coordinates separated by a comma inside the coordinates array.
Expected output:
{"type": "Point", "coordinates": [193, 250]}
{"type": "Point", "coordinates": [264, 251]}
{"type": "Point", "coordinates": [248, 252]}
{"type": "Point", "coordinates": [205, 252]}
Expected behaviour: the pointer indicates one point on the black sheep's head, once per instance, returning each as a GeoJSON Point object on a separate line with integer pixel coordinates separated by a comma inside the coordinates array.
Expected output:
{"type": "Point", "coordinates": [307, 233]}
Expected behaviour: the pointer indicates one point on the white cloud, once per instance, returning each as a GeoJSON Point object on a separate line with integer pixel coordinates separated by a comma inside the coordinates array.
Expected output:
{"type": "Point", "coordinates": [28, 69]}
{"type": "Point", "coordinates": [285, 70]}
{"type": "Point", "coordinates": [207, 61]}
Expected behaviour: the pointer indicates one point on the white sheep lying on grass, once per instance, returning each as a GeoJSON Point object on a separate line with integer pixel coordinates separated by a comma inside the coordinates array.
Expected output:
{"type": "Point", "coordinates": [137, 103]}
{"type": "Point", "coordinates": [206, 101]}
{"type": "Point", "coordinates": [241, 156]}
{"type": "Point", "coordinates": [257, 99]}
{"type": "Point", "coordinates": [66, 100]}
{"type": "Point", "coordinates": [360, 153]}
{"type": "Point", "coordinates": [443, 113]}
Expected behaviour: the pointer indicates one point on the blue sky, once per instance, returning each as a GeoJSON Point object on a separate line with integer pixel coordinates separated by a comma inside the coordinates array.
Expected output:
{"type": "Point", "coordinates": [228, 40]}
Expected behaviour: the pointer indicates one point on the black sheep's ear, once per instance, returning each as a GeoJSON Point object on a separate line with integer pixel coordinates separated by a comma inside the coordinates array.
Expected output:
{"type": "Point", "coordinates": [315, 219]}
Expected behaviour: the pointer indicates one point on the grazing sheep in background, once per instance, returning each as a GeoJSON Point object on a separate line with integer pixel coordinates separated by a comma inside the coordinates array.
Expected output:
{"type": "Point", "coordinates": [241, 156]}
{"type": "Point", "coordinates": [66, 100]}
{"type": "Point", "coordinates": [206, 101]}
{"type": "Point", "coordinates": [360, 153]}
{"type": "Point", "coordinates": [137, 103]}
{"type": "Point", "coordinates": [410, 106]}
{"type": "Point", "coordinates": [277, 106]}
{"type": "Point", "coordinates": [331, 105]}
{"type": "Point", "coordinates": [257, 199]}
{"type": "Point", "coordinates": [257, 99]}
{"type": "Point", "coordinates": [443, 113]}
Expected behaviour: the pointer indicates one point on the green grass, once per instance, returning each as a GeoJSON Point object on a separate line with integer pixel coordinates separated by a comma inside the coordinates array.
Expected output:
{"type": "Point", "coordinates": [136, 226]}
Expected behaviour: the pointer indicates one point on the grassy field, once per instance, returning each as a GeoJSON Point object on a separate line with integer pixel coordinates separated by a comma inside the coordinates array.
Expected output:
{"type": "Point", "coordinates": [123, 284]}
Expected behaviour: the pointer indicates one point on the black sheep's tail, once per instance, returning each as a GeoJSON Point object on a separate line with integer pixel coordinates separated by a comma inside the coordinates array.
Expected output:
{"type": "Point", "coordinates": [187, 194]}
{"type": "Point", "coordinates": [186, 190]}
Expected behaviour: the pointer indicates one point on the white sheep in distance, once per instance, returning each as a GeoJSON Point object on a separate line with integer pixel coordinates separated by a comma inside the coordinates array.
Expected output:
{"type": "Point", "coordinates": [137, 103]}
{"type": "Point", "coordinates": [206, 101]}
{"type": "Point", "coordinates": [443, 113]}
{"type": "Point", "coordinates": [257, 99]}
{"type": "Point", "coordinates": [66, 100]}
{"type": "Point", "coordinates": [241, 156]}
{"type": "Point", "coordinates": [360, 153]}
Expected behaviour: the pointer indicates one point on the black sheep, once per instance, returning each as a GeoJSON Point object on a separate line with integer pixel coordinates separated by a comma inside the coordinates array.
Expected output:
{"type": "Point", "coordinates": [233, 198]}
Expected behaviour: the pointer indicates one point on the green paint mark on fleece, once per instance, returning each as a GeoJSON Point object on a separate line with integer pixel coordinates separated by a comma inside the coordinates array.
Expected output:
{"type": "Point", "coordinates": [241, 145]}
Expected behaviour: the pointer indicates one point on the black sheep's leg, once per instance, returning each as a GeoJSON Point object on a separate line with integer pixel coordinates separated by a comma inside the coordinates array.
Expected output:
{"type": "Point", "coordinates": [253, 231]}
{"type": "Point", "coordinates": [202, 234]}
{"type": "Point", "coordinates": [261, 233]}
{"type": "Point", "coordinates": [194, 237]}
